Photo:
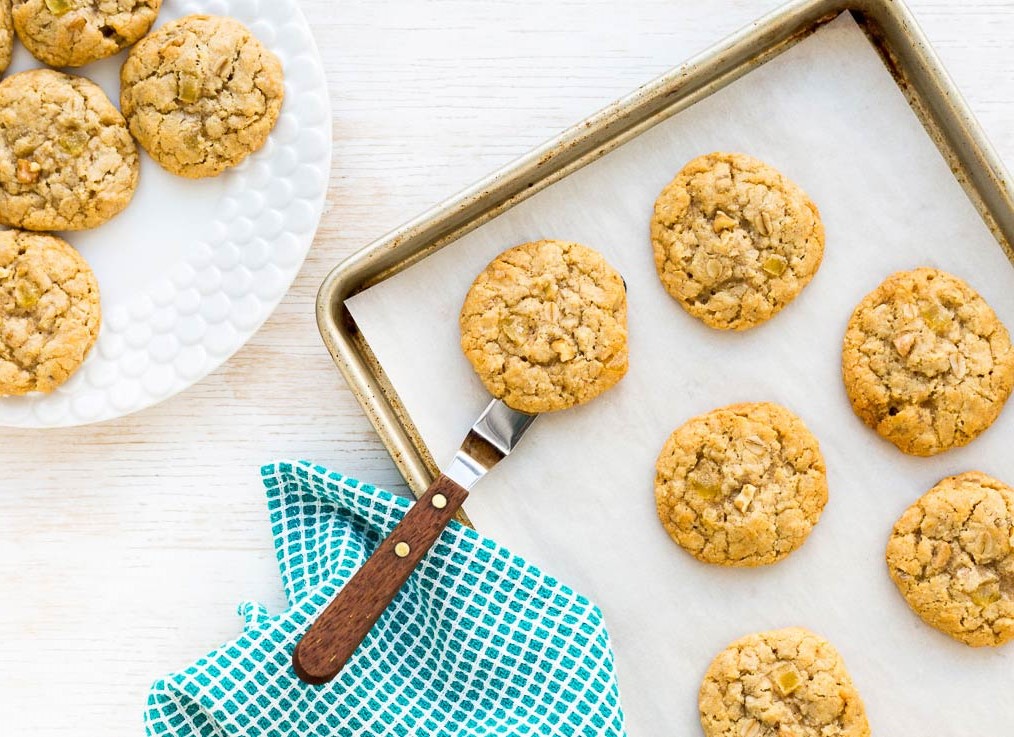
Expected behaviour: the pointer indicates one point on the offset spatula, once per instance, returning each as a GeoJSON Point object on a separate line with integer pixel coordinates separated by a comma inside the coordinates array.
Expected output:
{"type": "Point", "coordinates": [336, 634]}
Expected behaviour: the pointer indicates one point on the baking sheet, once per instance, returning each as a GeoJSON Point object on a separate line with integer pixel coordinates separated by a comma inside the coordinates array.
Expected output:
{"type": "Point", "coordinates": [577, 498]}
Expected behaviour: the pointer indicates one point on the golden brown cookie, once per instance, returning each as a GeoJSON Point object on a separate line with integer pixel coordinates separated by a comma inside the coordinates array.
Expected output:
{"type": "Point", "coordinates": [545, 326]}
{"type": "Point", "coordinates": [49, 311]}
{"type": "Point", "coordinates": [734, 240]}
{"type": "Point", "coordinates": [952, 557]}
{"type": "Point", "coordinates": [6, 35]}
{"type": "Point", "coordinates": [71, 33]}
{"type": "Point", "coordinates": [201, 94]}
{"type": "Point", "coordinates": [926, 362]}
{"type": "Point", "coordinates": [67, 161]}
{"type": "Point", "coordinates": [742, 485]}
{"type": "Point", "coordinates": [781, 683]}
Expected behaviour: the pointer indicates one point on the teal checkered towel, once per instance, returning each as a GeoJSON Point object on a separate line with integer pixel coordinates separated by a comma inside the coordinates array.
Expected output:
{"type": "Point", "coordinates": [478, 642]}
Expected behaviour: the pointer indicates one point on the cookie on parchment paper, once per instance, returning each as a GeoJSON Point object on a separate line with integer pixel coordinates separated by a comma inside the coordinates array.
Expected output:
{"type": "Point", "coordinates": [926, 362]}
{"type": "Point", "coordinates": [545, 326]}
{"type": "Point", "coordinates": [734, 240]}
{"type": "Point", "coordinates": [781, 683]}
{"type": "Point", "coordinates": [67, 161]}
{"type": "Point", "coordinates": [951, 555]}
{"type": "Point", "coordinates": [742, 485]}
{"type": "Point", "coordinates": [49, 311]}
{"type": "Point", "coordinates": [201, 94]}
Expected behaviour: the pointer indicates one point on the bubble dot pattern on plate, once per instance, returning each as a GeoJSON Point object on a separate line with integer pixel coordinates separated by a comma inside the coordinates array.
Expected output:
{"type": "Point", "coordinates": [174, 331]}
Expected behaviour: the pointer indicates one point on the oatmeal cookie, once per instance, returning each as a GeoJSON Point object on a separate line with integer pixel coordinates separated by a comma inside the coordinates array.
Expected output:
{"type": "Point", "coordinates": [71, 33]}
{"type": "Point", "coordinates": [6, 35]}
{"type": "Point", "coordinates": [49, 311]}
{"type": "Point", "coordinates": [926, 362]}
{"type": "Point", "coordinates": [545, 326]}
{"type": "Point", "coordinates": [742, 485]}
{"type": "Point", "coordinates": [67, 161]}
{"type": "Point", "coordinates": [781, 683]}
{"type": "Point", "coordinates": [951, 556]}
{"type": "Point", "coordinates": [201, 94]}
{"type": "Point", "coordinates": [734, 240]}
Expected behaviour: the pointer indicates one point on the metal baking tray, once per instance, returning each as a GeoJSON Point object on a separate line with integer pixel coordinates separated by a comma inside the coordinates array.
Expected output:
{"type": "Point", "coordinates": [888, 24]}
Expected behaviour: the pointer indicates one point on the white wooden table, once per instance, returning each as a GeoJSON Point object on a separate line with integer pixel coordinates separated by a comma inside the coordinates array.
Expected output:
{"type": "Point", "coordinates": [125, 547]}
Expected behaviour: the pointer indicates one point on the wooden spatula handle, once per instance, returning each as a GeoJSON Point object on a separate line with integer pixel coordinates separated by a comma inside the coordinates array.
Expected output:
{"type": "Point", "coordinates": [342, 626]}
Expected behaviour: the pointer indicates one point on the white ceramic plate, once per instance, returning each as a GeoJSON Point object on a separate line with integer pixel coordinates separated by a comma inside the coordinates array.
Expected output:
{"type": "Point", "coordinates": [192, 268]}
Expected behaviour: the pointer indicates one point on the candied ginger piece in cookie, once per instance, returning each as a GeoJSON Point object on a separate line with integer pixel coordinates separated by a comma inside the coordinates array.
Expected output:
{"type": "Point", "coordinates": [743, 485]}
{"type": "Point", "coordinates": [734, 240]}
{"type": "Point", "coordinates": [926, 361]}
{"type": "Point", "coordinates": [545, 326]}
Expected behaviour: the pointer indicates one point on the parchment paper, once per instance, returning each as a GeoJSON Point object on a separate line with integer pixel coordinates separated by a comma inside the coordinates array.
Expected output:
{"type": "Point", "coordinates": [577, 498]}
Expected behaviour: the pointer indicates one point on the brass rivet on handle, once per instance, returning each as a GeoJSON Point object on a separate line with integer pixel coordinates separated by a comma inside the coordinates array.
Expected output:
{"type": "Point", "coordinates": [439, 501]}
{"type": "Point", "coordinates": [402, 549]}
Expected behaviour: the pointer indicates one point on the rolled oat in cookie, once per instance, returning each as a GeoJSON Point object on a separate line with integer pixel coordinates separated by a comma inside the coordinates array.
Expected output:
{"type": "Point", "coordinates": [201, 94]}
{"type": "Point", "coordinates": [49, 311]}
{"type": "Point", "coordinates": [951, 555]}
{"type": "Point", "coordinates": [545, 326]}
{"type": "Point", "coordinates": [781, 683]}
{"type": "Point", "coordinates": [742, 485]}
{"type": "Point", "coordinates": [926, 362]}
{"type": "Point", "coordinates": [71, 33]}
{"type": "Point", "coordinates": [67, 161]}
{"type": "Point", "coordinates": [734, 240]}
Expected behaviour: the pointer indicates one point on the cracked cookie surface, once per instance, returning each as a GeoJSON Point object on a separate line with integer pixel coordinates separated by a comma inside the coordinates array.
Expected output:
{"type": "Point", "coordinates": [6, 35]}
{"type": "Point", "coordinates": [742, 485]}
{"type": "Point", "coordinates": [67, 161]}
{"type": "Point", "coordinates": [781, 683]}
{"type": "Point", "coordinates": [926, 362]}
{"type": "Point", "coordinates": [545, 326]}
{"type": "Point", "coordinates": [734, 240]}
{"type": "Point", "coordinates": [201, 94]}
{"type": "Point", "coordinates": [49, 311]}
{"type": "Point", "coordinates": [71, 33]}
{"type": "Point", "coordinates": [951, 555]}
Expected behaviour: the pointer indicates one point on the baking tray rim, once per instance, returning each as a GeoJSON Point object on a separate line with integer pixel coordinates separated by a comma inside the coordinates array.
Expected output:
{"type": "Point", "coordinates": [890, 26]}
